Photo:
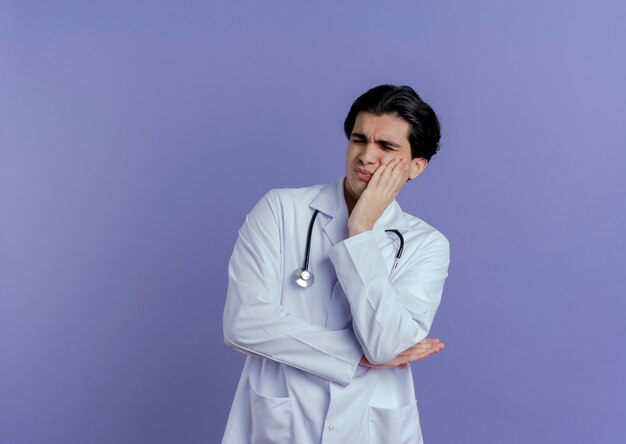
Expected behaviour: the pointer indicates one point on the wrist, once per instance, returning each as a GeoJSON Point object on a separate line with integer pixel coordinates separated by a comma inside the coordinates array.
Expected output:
{"type": "Point", "coordinates": [358, 229]}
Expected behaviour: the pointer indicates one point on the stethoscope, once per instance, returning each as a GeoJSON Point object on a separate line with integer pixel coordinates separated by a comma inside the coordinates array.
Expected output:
{"type": "Point", "coordinates": [304, 277]}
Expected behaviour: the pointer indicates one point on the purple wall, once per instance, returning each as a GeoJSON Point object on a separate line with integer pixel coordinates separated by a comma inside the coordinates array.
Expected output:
{"type": "Point", "coordinates": [135, 136]}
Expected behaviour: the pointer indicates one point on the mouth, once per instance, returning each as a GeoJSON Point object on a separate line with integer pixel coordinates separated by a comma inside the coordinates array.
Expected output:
{"type": "Point", "coordinates": [363, 174]}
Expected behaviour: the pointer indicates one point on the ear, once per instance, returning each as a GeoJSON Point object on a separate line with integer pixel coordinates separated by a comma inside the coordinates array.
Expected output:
{"type": "Point", "coordinates": [418, 164]}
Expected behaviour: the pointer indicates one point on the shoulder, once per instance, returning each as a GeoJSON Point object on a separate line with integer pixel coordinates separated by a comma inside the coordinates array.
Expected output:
{"type": "Point", "coordinates": [289, 198]}
{"type": "Point", "coordinates": [279, 204]}
{"type": "Point", "coordinates": [294, 194]}
{"type": "Point", "coordinates": [425, 234]}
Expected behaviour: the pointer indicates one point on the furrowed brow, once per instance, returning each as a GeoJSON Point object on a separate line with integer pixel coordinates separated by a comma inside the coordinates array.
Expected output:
{"type": "Point", "coordinates": [388, 143]}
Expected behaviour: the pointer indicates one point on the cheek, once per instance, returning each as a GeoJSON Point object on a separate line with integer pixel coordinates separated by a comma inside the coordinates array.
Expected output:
{"type": "Point", "coordinates": [389, 156]}
{"type": "Point", "coordinates": [351, 154]}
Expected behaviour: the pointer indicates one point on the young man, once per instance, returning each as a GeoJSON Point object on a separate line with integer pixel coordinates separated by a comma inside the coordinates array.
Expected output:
{"type": "Point", "coordinates": [333, 289]}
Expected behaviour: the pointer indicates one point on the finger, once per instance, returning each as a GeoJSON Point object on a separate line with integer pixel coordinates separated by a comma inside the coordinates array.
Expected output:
{"type": "Point", "coordinates": [399, 166]}
{"type": "Point", "coordinates": [386, 174]}
{"type": "Point", "coordinates": [419, 347]}
{"type": "Point", "coordinates": [418, 356]}
{"type": "Point", "coordinates": [398, 174]}
{"type": "Point", "coordinates": [375, 179]}
{"type": "Point", "coordinates": [421, 351]}
{"type": "Point", "coordinates": [424, 344]}
{"type": "Point", "coordinates": [429, 341]}
{"type": "Point", "coordinates": [417, 350]}
{"type": "Point", "coordinates": [387, 179]}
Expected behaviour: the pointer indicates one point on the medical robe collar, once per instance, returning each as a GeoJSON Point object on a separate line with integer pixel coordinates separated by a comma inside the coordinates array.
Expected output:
{"type": "Point", "coordinates": [331, 202]}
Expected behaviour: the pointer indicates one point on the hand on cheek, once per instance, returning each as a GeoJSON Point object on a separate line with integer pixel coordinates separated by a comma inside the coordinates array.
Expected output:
{"type": "Point", "coordinates": [381, 190]}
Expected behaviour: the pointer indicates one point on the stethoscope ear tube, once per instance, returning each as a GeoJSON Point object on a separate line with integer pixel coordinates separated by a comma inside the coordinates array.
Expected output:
{"type": "Point", "coordinates": [401, 249]}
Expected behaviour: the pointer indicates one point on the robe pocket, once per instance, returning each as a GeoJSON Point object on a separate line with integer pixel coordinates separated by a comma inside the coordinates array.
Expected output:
{"type": "Point", "coordinates": [399, 425]}
{"type": "Point", "coordinates": [271, 418]}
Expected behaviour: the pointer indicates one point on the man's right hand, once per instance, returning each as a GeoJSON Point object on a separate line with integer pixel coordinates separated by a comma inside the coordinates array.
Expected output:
{"type": "Point", "coordinates": [421, 350]}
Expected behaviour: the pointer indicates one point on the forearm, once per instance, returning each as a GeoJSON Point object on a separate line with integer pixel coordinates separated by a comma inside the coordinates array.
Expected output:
{"type": "Point", "coordinates": [255, 320]}
{"type": "Point", "coordinates": [254, 324]}
{"type": "Point", "coordinates": [388, 317]}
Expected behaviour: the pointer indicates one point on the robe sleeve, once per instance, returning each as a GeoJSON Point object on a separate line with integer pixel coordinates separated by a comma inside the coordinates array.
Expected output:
{"type": "Point", "coordinates": [389, 316]}
{"type": "Point", "coordinates": [254, 320]}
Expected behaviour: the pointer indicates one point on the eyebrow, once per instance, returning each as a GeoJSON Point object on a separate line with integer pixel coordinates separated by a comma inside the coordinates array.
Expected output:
{"type": "Point", "coordinates": [382, 141]}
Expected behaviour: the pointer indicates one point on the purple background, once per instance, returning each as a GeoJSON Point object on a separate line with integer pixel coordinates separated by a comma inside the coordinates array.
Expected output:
{"type": "Point", "coordinates": [135, 136]}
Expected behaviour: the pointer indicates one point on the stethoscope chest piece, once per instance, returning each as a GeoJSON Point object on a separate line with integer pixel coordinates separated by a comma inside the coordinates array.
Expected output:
{"type": "Point", "coordinates": [304, 278]}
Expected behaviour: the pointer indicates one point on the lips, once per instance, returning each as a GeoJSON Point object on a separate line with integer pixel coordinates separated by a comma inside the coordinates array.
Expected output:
{"type": "Point", "coordinates": [363, 173]}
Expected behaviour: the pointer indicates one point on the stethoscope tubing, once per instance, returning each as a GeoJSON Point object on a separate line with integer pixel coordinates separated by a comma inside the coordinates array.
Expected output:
{"type": "Point", "coordinates": [304, 278]}
{"type": "Point", "coordinates": [401, 249]}
{"type": "Point", "coordinates": [308, 241]}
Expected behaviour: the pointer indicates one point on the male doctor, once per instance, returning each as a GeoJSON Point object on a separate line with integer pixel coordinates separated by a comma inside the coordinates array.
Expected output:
{"type": "Point", "coordinates": [327, 363]}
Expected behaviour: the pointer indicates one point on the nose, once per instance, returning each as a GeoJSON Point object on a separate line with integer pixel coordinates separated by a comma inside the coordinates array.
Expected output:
{"type": "Point", "coordinates": [369, 154]}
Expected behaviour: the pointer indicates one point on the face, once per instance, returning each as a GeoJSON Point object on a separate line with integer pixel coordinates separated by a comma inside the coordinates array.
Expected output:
{"type": "Point", "coordinates": [375, 141]}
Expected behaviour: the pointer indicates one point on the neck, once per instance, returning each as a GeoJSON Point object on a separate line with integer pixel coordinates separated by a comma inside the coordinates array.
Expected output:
{"type": "Point", "coordinates": [349, 198]}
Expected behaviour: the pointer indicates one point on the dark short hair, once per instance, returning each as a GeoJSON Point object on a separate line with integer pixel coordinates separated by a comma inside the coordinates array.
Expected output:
{"type": "Point", "coordinates": [425, 131]}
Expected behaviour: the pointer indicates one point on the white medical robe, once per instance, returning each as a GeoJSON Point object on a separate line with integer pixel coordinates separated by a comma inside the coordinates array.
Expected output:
{"type": "Point", "coordinates": [301, 382]}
